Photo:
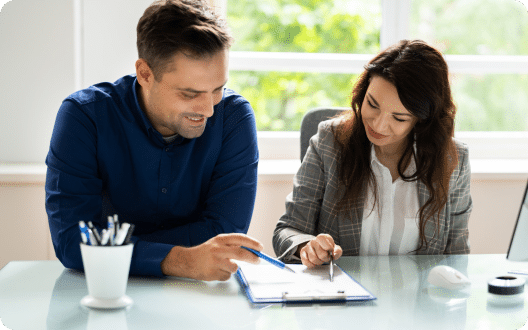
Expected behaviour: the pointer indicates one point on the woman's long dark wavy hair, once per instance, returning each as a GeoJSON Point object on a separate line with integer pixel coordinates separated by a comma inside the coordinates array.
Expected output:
{"type": "Point", "coordinates": [420, 75]}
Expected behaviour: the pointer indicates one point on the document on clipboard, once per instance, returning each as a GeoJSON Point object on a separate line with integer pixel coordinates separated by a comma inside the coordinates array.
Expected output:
{"type": "Point", "coordinates": [265, 283]}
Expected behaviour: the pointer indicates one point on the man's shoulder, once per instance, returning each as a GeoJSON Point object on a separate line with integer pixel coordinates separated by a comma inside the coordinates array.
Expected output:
{"type": "Point", "coordinates": [232, 100]}
{"type": "Point", "coordinates": [103, 91]}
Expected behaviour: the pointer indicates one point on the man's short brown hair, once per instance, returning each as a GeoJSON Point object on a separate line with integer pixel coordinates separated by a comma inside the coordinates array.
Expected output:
{"type": "Point", "coordinates": [187, 26]}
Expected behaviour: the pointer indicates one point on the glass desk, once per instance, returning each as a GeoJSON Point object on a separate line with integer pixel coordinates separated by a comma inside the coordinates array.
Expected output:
{"type": "Point", "coordinates": [45, 295]}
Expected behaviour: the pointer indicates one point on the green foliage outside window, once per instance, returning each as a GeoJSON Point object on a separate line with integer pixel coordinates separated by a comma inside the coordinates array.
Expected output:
{"type": "Point", "coordinates": [491, 102]}
{"type": "Point", "coordinates": [280, 99]}
{"type": "Point", "coordinates": [471, 27]}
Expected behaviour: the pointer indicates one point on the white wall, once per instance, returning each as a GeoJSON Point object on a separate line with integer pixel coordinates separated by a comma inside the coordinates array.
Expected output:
{"type": "Point", "coordinates": [109, 38]}
{"type": "Point", "coordinates": [38, 56]}
{"type": "Point", "coordinates": [36, 64]}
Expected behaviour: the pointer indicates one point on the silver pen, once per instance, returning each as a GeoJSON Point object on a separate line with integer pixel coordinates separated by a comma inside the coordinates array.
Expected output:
{"type": "Point", "coordinates": [331, 267]}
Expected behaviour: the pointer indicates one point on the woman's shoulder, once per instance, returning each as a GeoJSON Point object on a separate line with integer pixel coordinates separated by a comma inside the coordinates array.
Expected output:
{"type": "Point", "coordinates": [324, 142]}
{"type": "Point", "coordinates": [326, 131]}
{"type": "Point", "coordinates": [462, 168]}
{"type": "Point", "coordinates": [462, 149]}
{"type": "Point", "coordinates": [328, 126]}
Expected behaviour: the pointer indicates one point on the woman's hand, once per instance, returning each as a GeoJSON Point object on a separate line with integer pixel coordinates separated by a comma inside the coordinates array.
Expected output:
{"type": "Point", "coordinates": [318, 250]}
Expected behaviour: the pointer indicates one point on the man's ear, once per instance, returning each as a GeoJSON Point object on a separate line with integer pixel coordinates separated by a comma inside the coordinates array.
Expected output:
{"type": "Point", "coordinates": [144, 74]}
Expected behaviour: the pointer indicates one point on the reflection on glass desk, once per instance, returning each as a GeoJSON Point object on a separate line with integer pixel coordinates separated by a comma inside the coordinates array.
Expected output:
{"type": "Point", "coordinates": [45, 295]}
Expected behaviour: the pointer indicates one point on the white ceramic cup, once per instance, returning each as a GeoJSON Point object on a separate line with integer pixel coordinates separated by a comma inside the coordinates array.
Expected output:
{"type": "Point", "coordinates": [106, 269]}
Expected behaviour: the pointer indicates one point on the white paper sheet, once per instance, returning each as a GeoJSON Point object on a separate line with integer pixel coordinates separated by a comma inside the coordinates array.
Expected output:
{"type": "Point", "coordinates": [269, 282]}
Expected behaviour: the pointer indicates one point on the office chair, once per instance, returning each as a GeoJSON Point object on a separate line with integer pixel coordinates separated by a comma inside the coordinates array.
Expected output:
{"type": "Point", "coordinates": [310, 122]}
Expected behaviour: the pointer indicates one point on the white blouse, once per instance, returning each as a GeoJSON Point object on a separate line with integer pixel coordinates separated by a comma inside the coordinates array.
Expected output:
{"type": "Point", "coordinates": [391, 227]}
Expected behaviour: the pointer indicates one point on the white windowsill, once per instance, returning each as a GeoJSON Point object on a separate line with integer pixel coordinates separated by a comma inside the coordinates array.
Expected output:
{"type": "Point", "coordinates": [285, 169]}
{"type": "Point", "coordinates": [481, 169]}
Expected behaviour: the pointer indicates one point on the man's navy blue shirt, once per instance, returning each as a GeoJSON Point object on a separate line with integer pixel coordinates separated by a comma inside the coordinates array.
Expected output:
{"type": "Point", "coordinates": [105, 158]}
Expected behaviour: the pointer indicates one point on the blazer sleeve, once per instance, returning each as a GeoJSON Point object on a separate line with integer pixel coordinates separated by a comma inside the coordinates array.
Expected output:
{"type": "Point", "coordinates": [461, 206]}
{"type": "Point", "coordinates": [303, 205]}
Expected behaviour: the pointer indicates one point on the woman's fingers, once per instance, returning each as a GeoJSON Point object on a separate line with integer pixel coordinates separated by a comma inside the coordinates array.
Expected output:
{"type": "Point", "coordinates": [324, 246]}
{"type": "Point", "coordinates": [312, 255]}
{"type": "Point", "coordinates": [318, 250]}
{"type": "Point", "coordinates": [322, 254]}
{"type": "Point", "coordinates": [304, 258]}
{"type": "Point", "coordinates": [338, 252]}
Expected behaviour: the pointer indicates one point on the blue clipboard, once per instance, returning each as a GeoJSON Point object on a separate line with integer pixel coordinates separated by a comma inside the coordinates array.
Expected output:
{"type": "Point", "coordinates": [260, 288]}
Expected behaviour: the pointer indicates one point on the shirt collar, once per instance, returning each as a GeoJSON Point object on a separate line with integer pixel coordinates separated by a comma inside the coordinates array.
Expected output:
{"type": "Point", "coordinates": [411, 169]}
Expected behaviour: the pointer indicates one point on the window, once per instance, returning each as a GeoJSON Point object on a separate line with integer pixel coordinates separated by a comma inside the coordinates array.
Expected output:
{"type": "Point", "coordinates": [471, 27]}
{"type": "Point", "coordinates": [490, 102]}
{"type": "Point", "coordinates": [492, 96]}
{"type": "Point", "coordinates": [289, 49]}
{"type": "Point", "coordinates": [309, 33]}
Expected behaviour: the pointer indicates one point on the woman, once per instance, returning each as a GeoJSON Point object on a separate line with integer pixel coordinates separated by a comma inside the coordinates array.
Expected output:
{"type": "Point", "coordinates": [386, 178]}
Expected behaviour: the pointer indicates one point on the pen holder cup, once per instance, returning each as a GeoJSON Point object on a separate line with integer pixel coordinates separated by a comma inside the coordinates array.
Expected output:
{"type": "Point", "coordinates": [106, 269]}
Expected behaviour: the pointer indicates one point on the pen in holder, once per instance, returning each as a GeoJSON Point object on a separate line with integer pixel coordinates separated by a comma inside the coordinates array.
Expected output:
{"type": "Point", "coordinates": [106, 269]}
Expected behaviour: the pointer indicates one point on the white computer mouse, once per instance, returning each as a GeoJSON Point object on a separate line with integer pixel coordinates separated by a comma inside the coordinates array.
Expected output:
{"type": "Point", "coordinates": [447, 277]}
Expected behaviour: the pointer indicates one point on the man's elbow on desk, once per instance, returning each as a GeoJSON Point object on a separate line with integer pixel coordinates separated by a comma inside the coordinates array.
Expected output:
{"type": "Point", "coordinates": [69, 260]}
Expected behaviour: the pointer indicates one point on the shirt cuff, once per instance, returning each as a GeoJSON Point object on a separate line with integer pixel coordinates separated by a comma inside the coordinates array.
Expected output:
{"type": "Point", "coordinates": [147, 257]}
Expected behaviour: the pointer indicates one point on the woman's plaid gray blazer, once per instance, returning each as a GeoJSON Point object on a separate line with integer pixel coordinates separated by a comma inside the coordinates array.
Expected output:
{"type": "Point", "coordinates": [311, 208]}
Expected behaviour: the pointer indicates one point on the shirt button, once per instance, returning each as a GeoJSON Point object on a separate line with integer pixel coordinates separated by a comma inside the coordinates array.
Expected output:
{"type": "Point", "coordinates": [167, 149]}
{"type": "Point", "coordinates": [164, 190]}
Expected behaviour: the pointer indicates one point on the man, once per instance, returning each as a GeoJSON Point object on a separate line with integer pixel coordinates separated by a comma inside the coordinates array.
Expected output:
{"type": "Point", "coordinates": [169, 150]}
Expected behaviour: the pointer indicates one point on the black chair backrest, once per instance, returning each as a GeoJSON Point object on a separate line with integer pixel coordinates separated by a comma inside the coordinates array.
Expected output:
{"type": "Point", "coordinates": [310, 122]}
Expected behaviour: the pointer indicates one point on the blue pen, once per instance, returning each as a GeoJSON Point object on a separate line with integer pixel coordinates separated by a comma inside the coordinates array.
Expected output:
{"type": "Point", "coordinates": [269, 259]}
{"type": "Point", "coordinates": [93, 241]}
{"type": "Point", "coordinates": [111, 229]}
{"type": "Point", "coordinates": [84, 233]}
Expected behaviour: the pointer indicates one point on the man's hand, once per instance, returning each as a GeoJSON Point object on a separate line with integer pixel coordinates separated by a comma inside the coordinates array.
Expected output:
{"type": "Point", "coordinates": [210, 261]}
{"type": "Point", "coordinates": [317, 251]}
